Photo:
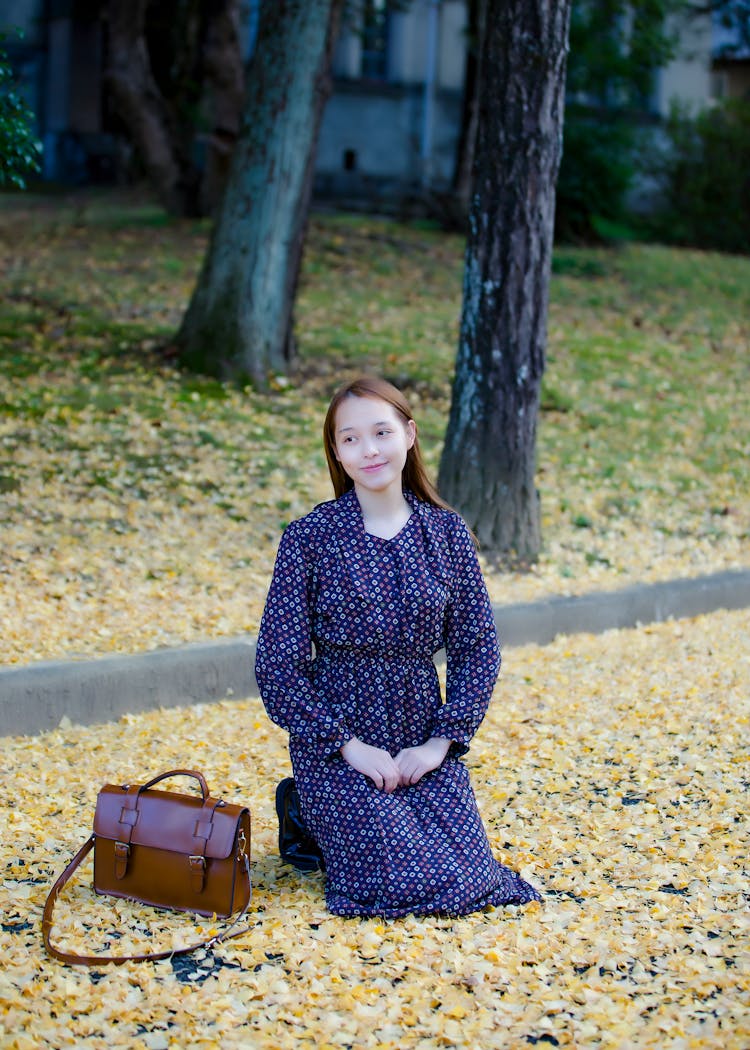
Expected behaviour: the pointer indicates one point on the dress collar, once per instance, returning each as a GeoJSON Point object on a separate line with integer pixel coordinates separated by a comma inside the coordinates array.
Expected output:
{"type": "Point", "coordinates": [357, 553]}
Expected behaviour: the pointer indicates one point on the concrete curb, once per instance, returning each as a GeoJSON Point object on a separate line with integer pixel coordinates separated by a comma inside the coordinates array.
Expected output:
{"type": "Point", "coordinates": [540, 622]}
{"type": "Point", "coordinates": [35, 698]}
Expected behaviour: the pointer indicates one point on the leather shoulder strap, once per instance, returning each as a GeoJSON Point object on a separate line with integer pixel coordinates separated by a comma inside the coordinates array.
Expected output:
{"type": "Point", "coordinates": [97, 960]}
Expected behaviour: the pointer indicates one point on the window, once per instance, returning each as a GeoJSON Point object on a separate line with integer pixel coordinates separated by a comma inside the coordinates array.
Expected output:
{"type": "Point", "coordinates": [374, 39]}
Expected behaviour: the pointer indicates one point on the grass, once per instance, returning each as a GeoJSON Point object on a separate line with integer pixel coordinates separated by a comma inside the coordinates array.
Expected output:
{"type": "Point", "coordinates": [643, 433]}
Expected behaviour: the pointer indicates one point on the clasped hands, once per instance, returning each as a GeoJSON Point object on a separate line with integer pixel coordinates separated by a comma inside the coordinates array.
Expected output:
{"type": "Point", "coordinates": [389, 773]}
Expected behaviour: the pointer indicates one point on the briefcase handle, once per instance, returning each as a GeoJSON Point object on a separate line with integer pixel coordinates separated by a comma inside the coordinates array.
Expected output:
{"type": "Point", "coordinates": [179, 773]}
{"type": "Point", "coordinates": [95, 960]}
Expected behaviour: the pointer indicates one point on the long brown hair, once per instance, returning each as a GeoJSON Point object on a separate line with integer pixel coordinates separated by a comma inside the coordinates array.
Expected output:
{"type": "Point", "coordinates": [414, 474]}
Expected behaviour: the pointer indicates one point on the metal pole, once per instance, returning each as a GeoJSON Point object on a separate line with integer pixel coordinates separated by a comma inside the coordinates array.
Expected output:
{"type": "Point", "coordinates": [429, 89]}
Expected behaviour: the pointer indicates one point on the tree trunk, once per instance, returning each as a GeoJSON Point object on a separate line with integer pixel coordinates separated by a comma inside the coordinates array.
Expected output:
{"type": "Point", "coordinates": [139, 101]}
{"type": "Point", "coordinates": [464, 166]}
{"type": "Point", "coordinates": [175, 75]}
{"type": "Point", "coordinates": [488, 463]}
{"type": "Point", "coordinates": [225, 84]}
{"type": "Point", "coordinates": [239, 322]}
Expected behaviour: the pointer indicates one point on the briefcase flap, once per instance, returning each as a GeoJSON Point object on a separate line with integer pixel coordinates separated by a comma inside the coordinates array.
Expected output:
{"type": "Point", "coordinates": [169, 821]}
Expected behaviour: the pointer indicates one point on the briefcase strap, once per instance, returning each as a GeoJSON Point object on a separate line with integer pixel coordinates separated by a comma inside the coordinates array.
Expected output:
{"type": "Point", "coordinates": [95, 960]}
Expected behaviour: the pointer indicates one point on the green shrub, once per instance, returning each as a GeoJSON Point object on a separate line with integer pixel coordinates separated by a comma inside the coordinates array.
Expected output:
{"type": "Point", "coordinates": [703, 174]}
{"type": "Point", "coordinates": [20, 151]}
{"type": "Point", "coordinates": [596, 172]}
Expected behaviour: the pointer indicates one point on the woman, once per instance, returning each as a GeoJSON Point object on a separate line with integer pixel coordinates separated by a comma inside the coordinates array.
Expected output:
{"type": "Point", "coordinates": [378, 580]}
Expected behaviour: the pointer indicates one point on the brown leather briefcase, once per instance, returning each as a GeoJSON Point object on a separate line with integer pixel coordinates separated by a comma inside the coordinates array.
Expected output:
{"type": "Point", "coordinates": [170, 850]}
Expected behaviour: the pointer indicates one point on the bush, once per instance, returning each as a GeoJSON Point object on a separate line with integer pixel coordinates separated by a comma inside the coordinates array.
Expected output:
{"type": "Point", "coordinates": [703, 174]}
{"type": "Point", "coordinates": [596, 172]}
{"type": "Point", "coordinates": [20, 151]}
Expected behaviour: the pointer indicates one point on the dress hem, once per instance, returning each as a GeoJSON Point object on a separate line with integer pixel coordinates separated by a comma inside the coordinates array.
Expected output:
{"type": "Point", "coordinates": [528, 895]}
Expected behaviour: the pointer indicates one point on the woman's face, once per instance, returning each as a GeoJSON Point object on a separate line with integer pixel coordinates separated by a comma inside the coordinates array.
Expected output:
{"type": "Point", "coordinates": [372, 440]}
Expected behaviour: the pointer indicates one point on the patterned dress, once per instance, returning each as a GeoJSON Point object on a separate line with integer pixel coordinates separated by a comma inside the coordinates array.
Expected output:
{"type": "Point", "coordinates": [376, 612]}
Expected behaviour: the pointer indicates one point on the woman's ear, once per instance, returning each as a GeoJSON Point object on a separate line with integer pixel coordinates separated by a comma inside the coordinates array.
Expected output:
{"type": "Point", "coordinates": [411, 433]}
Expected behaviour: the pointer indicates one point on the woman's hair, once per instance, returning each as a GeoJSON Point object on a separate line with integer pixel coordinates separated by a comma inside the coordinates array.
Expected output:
{"type": "Point", "coordinates": [414, 475]}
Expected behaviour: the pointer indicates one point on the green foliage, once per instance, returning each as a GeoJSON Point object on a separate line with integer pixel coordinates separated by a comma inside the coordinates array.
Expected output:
{"type": "Point", "coordinates": [734, 16]}
{"type": "Point", "coordinates": [704, 172]}
{"type": "Point", "coordinates": [615, 48]}
{"type": "Point", "coordinates": [20, 151]}
{"type": "Point", "coordinates": [596, 171]}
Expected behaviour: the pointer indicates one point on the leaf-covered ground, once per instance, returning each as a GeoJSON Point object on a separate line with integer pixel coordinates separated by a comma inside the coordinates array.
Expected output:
{"type": "Point", "coordinates": [613, 771]}
{"type": "Point", "coordinates": [140, 506]}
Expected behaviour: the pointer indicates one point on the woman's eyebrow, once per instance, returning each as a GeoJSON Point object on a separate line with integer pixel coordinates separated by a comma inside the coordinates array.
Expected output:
{"type": "Point", "coordinates": [382, 423]}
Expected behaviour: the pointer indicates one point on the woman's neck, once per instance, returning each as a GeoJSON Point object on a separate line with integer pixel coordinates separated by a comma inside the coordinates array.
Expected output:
{"type": "Point", "coordinates": [384, 513]}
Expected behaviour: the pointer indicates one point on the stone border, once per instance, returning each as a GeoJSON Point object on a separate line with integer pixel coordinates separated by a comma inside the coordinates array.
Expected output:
{"type": "Point", "coordinates": [540, 622]}
{"type": "Point", "coordinates": [35, 698]}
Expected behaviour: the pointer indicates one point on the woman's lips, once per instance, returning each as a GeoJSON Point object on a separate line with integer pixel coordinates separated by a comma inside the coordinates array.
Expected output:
{"type": "Point", "coordinates": [373, 467]}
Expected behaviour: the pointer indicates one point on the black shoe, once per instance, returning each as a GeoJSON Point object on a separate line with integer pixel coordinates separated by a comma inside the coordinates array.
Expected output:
{"type": "Point", "coordinates": [296, 844]}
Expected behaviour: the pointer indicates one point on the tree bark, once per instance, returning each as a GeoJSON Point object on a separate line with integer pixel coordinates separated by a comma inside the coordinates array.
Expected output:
{"type": "Point", "coordinates": [139, 101]}
{"type": "Point", "coordinates": [175, 75]}
{"type": "Point", "coordinates": [239, 321]}
{"type": "Point", "coordinates": [464, 167]}
{"type": "Point", "coordinates": [225, 83]}
{"type": "Point", "coordinates": [488, 462]}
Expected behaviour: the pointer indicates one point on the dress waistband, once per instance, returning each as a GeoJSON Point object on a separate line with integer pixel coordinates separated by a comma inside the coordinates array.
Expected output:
{"type": "Point", "coordinates": [349, 656]}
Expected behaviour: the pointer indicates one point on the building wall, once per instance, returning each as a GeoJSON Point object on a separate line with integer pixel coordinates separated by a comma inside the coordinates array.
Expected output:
{"type": "Point", "coordinates": [400, 131]}
{"type": "Point", "coordinates": [376, 137]}
{"type": "Point", "coordinates": [687, 78]}
{"type": "Point", "coordinates": [408, 51]}
{"type": "Point", "coordinates": [23, 15]}
{"type": "Point", "coordinates": [409, 43]}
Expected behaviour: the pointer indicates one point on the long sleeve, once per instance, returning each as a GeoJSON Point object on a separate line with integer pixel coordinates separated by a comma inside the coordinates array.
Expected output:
{"type": "Point", "coordinates": [283, 664]}
{"type": "Point", "coordinates": [471, 644]}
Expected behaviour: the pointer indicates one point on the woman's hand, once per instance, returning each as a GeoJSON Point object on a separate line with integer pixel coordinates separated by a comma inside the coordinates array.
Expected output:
{"type": "Point", "coordinates": [374, 762]}
{"type": "Point", "coordinates": [414, 762]}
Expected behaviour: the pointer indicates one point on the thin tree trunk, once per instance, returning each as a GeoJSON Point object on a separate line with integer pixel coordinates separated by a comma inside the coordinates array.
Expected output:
{"type": "Point", "coordinates": [464, 167]}
{"type": "Point", "coordinates": [169, 65]}
{"type": "Point", "coordinates": [488, 463]}
{"type": "Point", "coordinates": [138, 100]}
{"type": "Point", "coordinates": [239, 322]}
{"type": "Point", "coordinates": [225, 82]}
